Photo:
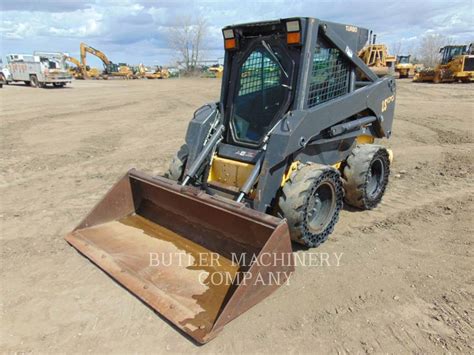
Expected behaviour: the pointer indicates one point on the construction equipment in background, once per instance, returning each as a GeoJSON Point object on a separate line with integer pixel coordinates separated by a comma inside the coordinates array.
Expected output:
{"type": "Point", "coordinates": [111, 69]}
{"type": "Point", "coordinates": [144, 72]}
{"type": "Point", "coordinates": [215, 71]}
{"type": "Point", "coordinates": [418, 67]}
{"type": "Point", "coordinates": [292, 136]}
{"type": "Point", "coordinates": [457, 64]}
{"type": "Point", "coordinates": [79, 71]}
{"type": "Point", "coordinates": [164, 72]}
{"type": "Point", "coordinates": [404, 67]}
{"type": "Point", "coordinates": [39, 69]}
{"type": "Point", "coordinates": [376, 57]}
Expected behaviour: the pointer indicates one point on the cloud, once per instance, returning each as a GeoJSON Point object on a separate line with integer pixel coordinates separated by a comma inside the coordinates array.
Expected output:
{"type": "Point", "coordinates": [137, 30]}
{"type": "Point", "coordinates": [18, 30]}
{"type": "Point", "coordinates": [44, 5]}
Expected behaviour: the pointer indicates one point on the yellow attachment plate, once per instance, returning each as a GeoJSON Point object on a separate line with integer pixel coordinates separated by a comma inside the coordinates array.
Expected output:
{"type": "Point", "coordinates": [286, 176]}
{"type": "Point", "coordinates": [365, 139]}
{"type": "Point", "coordinates": [228, 172]}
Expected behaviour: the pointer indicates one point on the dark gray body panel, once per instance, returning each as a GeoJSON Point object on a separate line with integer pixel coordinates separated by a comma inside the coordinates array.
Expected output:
{"type": "Point", "coordinates": [300, 130]}
{"type": "Point", "coordinates": [198, 130]}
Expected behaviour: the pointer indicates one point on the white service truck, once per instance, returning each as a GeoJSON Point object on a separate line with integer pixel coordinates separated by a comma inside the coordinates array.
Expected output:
{"type": "Point", "coordinates": [4, 74]}
{"type": "Point", "coordinates": [38, 70]}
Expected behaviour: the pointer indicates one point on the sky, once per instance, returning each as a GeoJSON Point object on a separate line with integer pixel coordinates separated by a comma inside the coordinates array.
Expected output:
{"type": "Point", "coordinates": [137, 31]}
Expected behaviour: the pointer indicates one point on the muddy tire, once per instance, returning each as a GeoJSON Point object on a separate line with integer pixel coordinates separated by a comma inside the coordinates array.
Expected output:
{"type": "Point", "coordinates": [310, 201]}
{"type": "Point", "coordinates": [366, 175]}
{"type": "Point", "coordinates": [34, 81]}
{"type": "Point", "coordinates": [178, 162]}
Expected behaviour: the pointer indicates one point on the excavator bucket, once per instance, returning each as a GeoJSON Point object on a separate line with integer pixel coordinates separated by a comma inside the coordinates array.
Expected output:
{"type": "Point", "coordinates": [198, 260]}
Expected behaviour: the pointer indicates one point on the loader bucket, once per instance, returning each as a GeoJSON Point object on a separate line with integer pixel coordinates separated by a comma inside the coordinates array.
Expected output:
{"type": "Point", "coordinates": [198, 260]}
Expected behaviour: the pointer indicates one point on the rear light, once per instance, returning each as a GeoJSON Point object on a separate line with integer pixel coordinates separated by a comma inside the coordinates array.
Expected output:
{"type": "Point", "coordinates": [293, 35]}
{"type": "Point", "coordinates": [228, 34]}
{"type": "Point", "coordinates": [293, 38]}
{"type": "Point", "coordinates": [230, 42]}
{"type": "Point", "coordinates": [293, 26]}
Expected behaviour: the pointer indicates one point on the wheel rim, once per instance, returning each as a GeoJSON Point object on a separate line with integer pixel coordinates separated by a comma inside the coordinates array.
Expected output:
{"type": "Point", "coordinates": [375, 178]}
{"type": "Point", "coordinates": [321, 207]}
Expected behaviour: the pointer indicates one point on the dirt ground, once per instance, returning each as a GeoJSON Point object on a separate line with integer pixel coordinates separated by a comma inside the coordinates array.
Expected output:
{"type": "Point", "coordinates": [404, 282]}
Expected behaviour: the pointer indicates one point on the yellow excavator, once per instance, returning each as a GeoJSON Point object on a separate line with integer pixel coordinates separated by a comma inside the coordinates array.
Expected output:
{"type": "Point", "coordinates": [77, 71]}
{"type": "Point", "coordinates": [376, 57]}
{"type": "Point", "coordinates": [80, 71]}
{"type": "Point", "coordinates": [110, 69]}
{"type": "Point", "coordinates": [457, 64]}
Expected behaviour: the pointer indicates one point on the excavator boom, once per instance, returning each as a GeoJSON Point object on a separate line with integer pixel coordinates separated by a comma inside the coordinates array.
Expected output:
{"type": "Point", "coordinates": [99, 54]}
{"type": "Point", "coordinates": [80, 71]}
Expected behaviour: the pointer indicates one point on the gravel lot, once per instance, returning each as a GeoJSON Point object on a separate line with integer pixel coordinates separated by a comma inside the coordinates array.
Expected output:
{"type": "Point", "coordinates": [404, 283]}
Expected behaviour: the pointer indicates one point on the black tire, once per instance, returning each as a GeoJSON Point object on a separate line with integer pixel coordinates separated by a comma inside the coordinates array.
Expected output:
{"type": "Point", "coordinates": [366, 174]}
{"type": "Point", "coordinates": [176, 169]}
{"type": "Point", "coordinates": [310, 201]}
{"type": "Point", "coordinates": [34, 81]}
{"type": "Point", "coordinates": [59, 85]}
{"type": "Point", "coordinates": [27, 83]}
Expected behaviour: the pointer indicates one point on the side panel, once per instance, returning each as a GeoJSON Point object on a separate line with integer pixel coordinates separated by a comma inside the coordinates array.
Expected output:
{"type": "Point", "coordinates": [21, 71]}
{"type": "Point", "coordinates": [353, 36]}
{"type": "Point", "coordinates": [328, 153]}
{"type": "Point", "coordinates": [198, 130]}
{"type": "Point", "coordinates": [300, 128]}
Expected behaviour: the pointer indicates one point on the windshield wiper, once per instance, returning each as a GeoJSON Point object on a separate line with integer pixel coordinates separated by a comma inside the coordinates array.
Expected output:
{"type": "Point", "coordinates": [270, 51]}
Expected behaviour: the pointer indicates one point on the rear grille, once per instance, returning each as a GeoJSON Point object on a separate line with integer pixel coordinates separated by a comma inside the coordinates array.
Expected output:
{"type": "Point", "coordinates": [329, 78]}
{"type": "Point", "coordinates": [469, 64]}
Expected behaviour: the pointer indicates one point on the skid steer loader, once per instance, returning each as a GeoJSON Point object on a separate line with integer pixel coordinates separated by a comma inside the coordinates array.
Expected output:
{"type": "Point", "coordinates": [291, 138]}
